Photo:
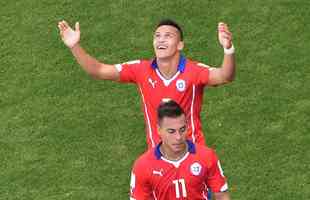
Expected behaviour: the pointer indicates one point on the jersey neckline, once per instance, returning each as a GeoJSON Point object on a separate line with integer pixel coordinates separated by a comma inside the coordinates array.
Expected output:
{"type": "Point", "coordinates": [181, 65]}
{"type": "Point", "coordinates": [190, 144]}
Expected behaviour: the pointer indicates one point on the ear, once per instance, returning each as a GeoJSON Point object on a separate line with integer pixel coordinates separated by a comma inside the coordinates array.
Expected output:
{"type": "Point", "coordinates": [180, 45]}
{"type": "Point", "coordinates": [159, 130]}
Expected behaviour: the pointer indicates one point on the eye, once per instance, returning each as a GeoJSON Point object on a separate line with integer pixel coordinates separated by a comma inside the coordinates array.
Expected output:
{"type": "Point", "coordinates": [157, 35]}
{"type": "Point", "coordinates": [168, 35]}
{"type": "Point", "coordinates": [171, 131]}
{"type": "Point", "coordinates": [183, 129]}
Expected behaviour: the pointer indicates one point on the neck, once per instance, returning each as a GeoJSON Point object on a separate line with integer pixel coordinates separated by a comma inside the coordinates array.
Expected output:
{"type": "Point", "coordinates": [173, 156]}
{"type": "Point", "coordinates": [168, 67]}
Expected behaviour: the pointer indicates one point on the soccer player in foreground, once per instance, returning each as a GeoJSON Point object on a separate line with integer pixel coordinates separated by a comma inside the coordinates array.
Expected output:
{"type": "Point", "coordinates": [169, 75]}
{"type": "Point", "coordinates": [176, 168]}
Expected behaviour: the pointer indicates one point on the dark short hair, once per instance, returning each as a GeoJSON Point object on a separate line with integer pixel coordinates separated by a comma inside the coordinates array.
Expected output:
{"type": "Point", "coordinates": [168, 108]}
{"type": "Point", "coordinates": [170, 22]}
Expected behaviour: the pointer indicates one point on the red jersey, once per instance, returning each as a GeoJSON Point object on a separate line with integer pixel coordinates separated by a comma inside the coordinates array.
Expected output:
{"type": "Point", "coordinates": [185, 87]}
{"type": "Point", "coordinates": [154, 177]}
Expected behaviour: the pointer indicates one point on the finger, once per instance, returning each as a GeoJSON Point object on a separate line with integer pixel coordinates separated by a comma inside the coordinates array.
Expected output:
{"type": "Point", "coordinates": [226, 33]}
{"type": "Point", "coordinates": [222, 26]}
{"type": "Point", "coordinates": [62, 26]}
{"type": "Point", "coordinates": [226, 36]}
{"type": "Point", "coordinates": [77, 26]}
{"type": "Point", "coordinates": [66, 25]}
{"type": "Point", "coordinates": [227, 39]}
{"type": "Point", "coordinates": [59, 27]}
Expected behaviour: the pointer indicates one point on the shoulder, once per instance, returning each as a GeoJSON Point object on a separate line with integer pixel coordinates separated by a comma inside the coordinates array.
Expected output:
{"type": "Point", "coordinates": [136, 62]}
{"type": "Point", "coordinates": [206, 153]}
{"type": "Point", "coordinates": [145, 160]}
{"type": "Point", "coordinates": [196, 65]}
{"type": "Point", "coordinates": [137, 65]}
{"type": "Point", "coordinates": [204, 149]}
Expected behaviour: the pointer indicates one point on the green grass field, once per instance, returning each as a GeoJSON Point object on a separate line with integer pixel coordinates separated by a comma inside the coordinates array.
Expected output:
{"type": "Point", "coordinates": [64, 135]}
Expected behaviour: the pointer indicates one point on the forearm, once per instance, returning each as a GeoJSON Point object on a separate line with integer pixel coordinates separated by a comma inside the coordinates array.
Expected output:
{"type": "Point", "coordinates": [88, 63]}
{"type": "Point", "coordinates": [228, 67]}
{"type": "Point", "coordinates": [222, 196]}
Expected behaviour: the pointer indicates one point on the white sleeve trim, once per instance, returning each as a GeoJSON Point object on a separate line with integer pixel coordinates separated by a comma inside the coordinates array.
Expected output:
{"type": "Point", "coordinates": [203, 65]}
{"type": "Point", "coordinates": [119, 67]}
{"type": "Point", "coordinates": [224, 188]}
{"type": "Point", "coordinates": [206, 66]}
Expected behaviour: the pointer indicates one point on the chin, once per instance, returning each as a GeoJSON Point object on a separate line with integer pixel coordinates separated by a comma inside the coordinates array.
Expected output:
{"type": "Point", "coordinates": [161, 56]}
{"type": "Point", "coordinates": [178, 148]}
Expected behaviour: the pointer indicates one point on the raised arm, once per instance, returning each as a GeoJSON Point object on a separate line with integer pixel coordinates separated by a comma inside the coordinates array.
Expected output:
{"type": "Point", "coordinates": [226, 72]}
{"type": "Point", "coordinates": [92, 66]}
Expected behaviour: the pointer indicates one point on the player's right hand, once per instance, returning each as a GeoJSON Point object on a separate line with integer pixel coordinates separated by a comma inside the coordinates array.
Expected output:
{"type": "Point", "coordinates": [69, 36]}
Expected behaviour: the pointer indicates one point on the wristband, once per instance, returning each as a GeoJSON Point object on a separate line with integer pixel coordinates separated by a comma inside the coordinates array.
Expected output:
{"type": "Point", "coordinates": [229, 51]}
{"type": "Point", "coordinates": [118, 67]}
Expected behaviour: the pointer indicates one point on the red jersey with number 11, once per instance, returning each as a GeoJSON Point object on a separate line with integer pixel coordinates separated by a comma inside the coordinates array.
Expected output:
{"type": "Point", "coordinates": [154, 177]}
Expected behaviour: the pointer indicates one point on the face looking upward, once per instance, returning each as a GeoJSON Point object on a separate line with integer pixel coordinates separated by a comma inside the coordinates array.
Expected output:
{"type": "Point", "coordinates": [167, 42]}
{"type": "Point", "coordinates": [173, 133]}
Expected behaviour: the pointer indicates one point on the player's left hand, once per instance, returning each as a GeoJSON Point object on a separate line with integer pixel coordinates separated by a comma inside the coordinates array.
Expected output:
{"type": "Point", "coordinates": [224, 35]}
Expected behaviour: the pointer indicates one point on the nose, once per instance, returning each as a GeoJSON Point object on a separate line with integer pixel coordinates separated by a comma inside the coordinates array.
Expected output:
{"type": "Point", "coordinates": [178, 135]}
{"type": "Point", "coordinates": [160, 39]}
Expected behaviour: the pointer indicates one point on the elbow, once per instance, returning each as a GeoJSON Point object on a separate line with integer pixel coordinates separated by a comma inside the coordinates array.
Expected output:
{"type": "Point", "coordinates": [227, 75]}
{"type": "Point", "coordinates": [93, 74]}
{"type": "Point", "coordinates": [94, 70]}
{"type": "Point", "coordinates": [228, 79]}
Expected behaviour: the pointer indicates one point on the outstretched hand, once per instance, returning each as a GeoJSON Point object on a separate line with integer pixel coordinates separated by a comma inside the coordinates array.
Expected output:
{"type": "Point", "coordinates": [224, 35]}
{"type": "Point", "coordinates": [69, 36]}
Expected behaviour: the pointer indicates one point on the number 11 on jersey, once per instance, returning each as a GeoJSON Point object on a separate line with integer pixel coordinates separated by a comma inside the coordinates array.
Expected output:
{"type": "Point", "coordinates": [177, 188]}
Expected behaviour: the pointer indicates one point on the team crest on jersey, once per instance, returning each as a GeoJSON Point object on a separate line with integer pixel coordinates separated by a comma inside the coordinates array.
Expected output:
{"type": "Point", "coordinates": [196, 169]}
{"type": "Point", "coordinates": [180, 85]}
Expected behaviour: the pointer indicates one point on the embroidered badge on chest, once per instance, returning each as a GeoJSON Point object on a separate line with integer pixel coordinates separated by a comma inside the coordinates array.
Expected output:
{"type": "Point", "coordinates": [196, 169]}
{"type": "Point", "coordinates": [180, 84]}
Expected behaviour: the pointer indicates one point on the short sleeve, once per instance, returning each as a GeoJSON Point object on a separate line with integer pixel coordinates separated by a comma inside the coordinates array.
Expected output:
{"type": "Point", "coordinates": [203, 74]}
{"type": "Point", "coordinates": [129, 71]}
{"type": "Point", "coordinates": [216, 180]}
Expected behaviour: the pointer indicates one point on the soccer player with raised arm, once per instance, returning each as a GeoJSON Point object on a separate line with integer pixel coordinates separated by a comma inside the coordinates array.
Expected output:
{"type": "Point", "coordinates": [168, 75]}
{"type": "Point", "coordinates": [176, 168]}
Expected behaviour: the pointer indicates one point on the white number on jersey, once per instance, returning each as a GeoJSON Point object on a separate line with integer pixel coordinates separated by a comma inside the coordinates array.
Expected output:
{"type": "Point", "coordinates": [177, 188]}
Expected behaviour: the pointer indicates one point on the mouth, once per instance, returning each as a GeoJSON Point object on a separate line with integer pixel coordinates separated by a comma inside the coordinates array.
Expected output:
{"type": "Point", "coordinates": [178, 145]}
{"type": "Point", "coordinates": [161, 47]}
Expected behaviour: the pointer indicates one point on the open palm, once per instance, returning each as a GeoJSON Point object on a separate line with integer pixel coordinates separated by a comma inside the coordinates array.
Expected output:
{"type": "Point", "coordinates": [69, 36]}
